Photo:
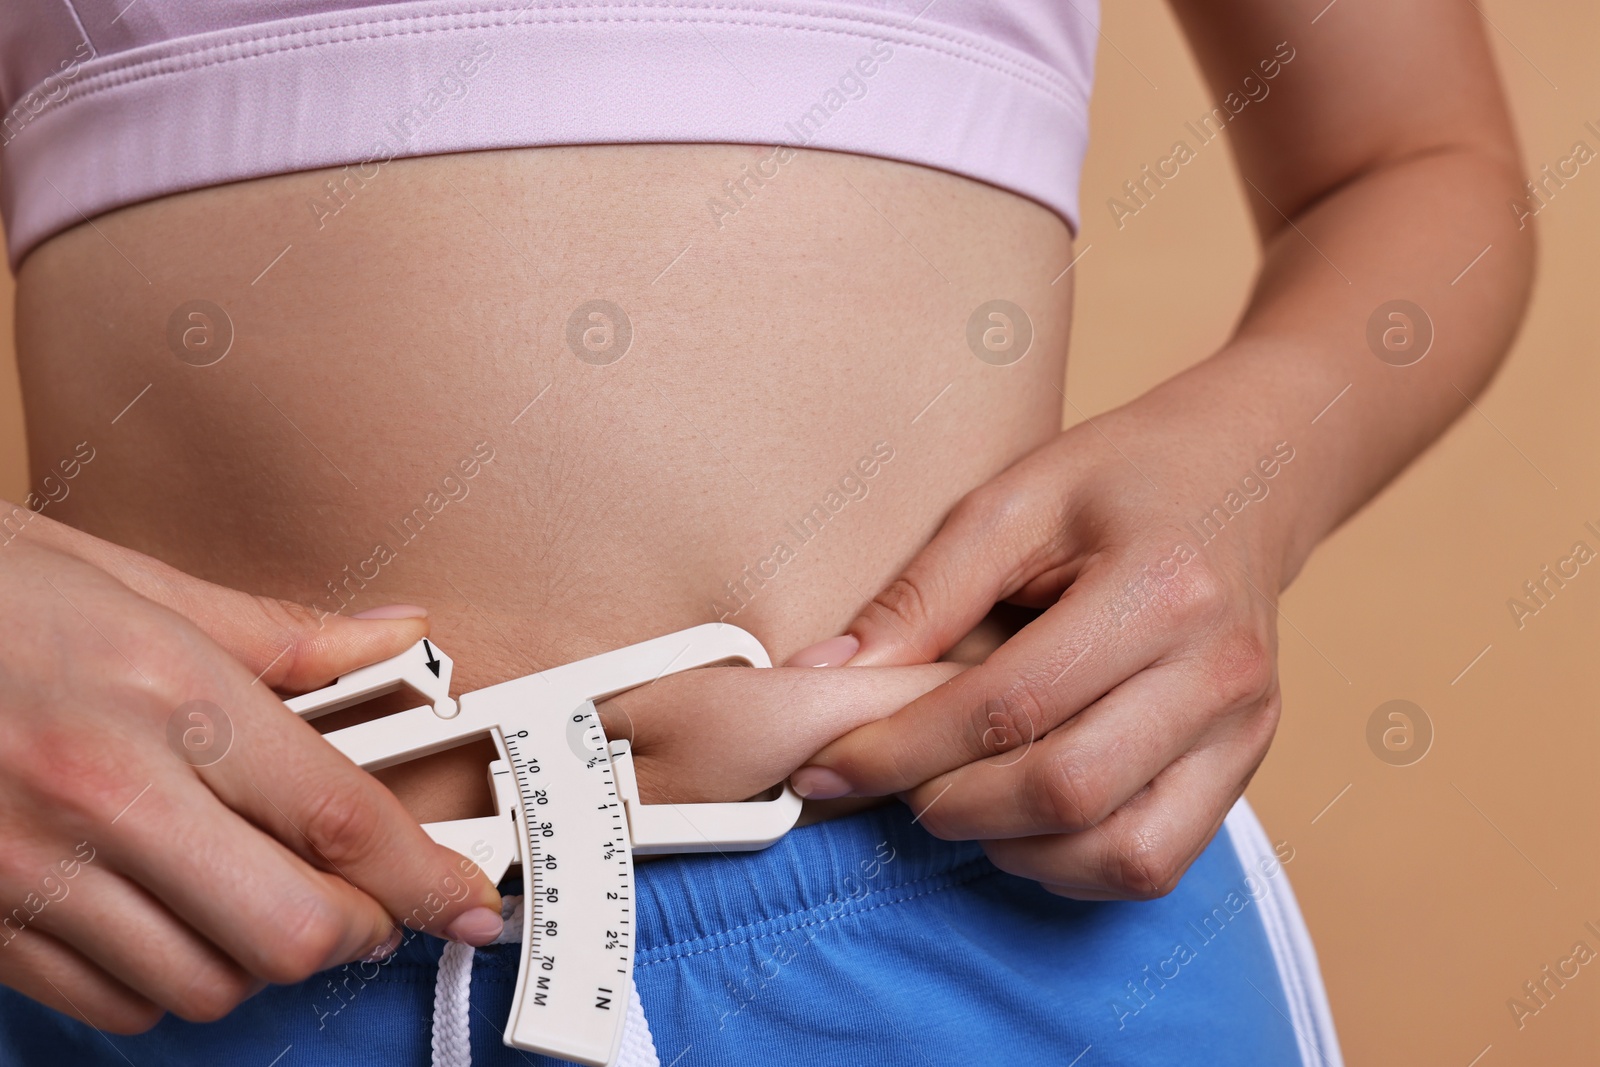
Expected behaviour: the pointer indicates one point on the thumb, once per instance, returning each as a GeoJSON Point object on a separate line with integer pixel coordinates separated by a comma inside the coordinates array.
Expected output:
{"type": "Point", "coordinates": [979, 557]}
{"type": "Point", "coordinates": [720, 734]}
{"type": "Point", "coordinates": [289, 646]}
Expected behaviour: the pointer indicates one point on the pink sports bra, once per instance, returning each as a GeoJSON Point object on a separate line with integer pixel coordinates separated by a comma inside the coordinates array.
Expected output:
{"type": "Point", "coordinates": [109, 102]}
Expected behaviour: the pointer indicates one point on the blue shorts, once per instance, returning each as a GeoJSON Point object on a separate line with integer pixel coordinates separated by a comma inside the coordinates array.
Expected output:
{"type": "Point", "coordinates": [858, 940]}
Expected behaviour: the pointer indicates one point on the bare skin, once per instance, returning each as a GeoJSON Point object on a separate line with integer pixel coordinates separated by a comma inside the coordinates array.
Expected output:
{"type": "Point", "coordinates": [768, 358]}
{"type": "Point", "coordinates": [620, 504]}
{"type": "Point", "coordinates": [394, 353]}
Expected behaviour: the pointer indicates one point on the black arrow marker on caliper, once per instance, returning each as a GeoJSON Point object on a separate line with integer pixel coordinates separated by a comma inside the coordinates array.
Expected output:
{"type": "Point", "coordinates": [433, 662]}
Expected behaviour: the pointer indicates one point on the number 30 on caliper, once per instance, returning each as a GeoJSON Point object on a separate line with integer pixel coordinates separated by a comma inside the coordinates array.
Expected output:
{"type": "Point", "coordinates": [568, 810]}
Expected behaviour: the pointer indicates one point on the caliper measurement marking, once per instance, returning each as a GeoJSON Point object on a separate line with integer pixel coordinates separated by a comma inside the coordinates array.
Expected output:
{"type": "Point", "coordinates": [538, 877]}
{"type": "Point", "coordinates": [533, 872]}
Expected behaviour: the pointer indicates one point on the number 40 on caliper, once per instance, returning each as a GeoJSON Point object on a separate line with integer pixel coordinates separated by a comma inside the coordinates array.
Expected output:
{"type": "Point", "coordinates": [567, 809]}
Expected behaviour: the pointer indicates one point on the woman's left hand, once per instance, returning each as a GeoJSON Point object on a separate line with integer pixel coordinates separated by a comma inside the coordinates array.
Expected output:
{"type": "Point", "coordinates": [1100, 748]}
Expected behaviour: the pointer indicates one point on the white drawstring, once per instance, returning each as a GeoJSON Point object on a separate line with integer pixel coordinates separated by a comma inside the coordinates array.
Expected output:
{"type": "Point", "coordinates": [452, 1004]}
{"type": "Point", "coordinates": [638, 1047]}
{"type": "Point", "coordinates": [452, 1007]}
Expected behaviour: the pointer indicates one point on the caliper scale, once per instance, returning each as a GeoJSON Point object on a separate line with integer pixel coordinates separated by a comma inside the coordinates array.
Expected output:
{"type": "Point", "coordinates": [567, 809]}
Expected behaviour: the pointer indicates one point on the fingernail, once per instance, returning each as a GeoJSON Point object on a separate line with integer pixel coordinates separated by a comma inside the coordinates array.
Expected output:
{"type": "Point", "coordinates": [834, 652]}
{"type": "Point", "coordinates": [819, 783]}
{"type": "Point", "coordinates": [385, 950]}
{"type": "Point", "coordinates": [393, 611]}
{"type": "Point", "coordinates": [476, 927]}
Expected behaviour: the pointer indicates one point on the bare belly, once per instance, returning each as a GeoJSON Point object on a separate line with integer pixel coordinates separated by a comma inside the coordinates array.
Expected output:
{"type": "Point", "coordinates": [416, 401]}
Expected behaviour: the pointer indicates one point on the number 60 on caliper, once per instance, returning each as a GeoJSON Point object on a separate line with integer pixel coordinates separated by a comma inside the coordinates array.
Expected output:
{"type": "Point", "coordinates": [567, 808]}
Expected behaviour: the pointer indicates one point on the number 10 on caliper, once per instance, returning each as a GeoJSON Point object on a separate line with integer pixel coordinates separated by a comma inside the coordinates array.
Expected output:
{"type": "Point", "coordinates": [567, 809]}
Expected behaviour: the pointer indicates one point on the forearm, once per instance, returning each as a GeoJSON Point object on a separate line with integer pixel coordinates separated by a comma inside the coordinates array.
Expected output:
{"type": "Point", "coordinates": [1407, 230]}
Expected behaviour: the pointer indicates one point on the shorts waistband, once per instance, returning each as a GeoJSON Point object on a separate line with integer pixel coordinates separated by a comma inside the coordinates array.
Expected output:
{"type": "Point", "coordinates": [813, 875]}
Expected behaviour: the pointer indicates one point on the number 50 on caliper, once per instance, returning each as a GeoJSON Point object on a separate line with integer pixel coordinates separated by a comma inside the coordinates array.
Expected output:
{"type": "Point", "coordinates": [567, 809]}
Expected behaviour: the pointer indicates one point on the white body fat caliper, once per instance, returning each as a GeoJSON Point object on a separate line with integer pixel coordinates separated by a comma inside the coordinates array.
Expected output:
{"type": "Point", "coordinates": [567, 809]}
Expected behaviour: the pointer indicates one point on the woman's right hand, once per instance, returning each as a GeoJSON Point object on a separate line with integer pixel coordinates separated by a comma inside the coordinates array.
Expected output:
{"type": "Point", "coordinates": [139, 878]}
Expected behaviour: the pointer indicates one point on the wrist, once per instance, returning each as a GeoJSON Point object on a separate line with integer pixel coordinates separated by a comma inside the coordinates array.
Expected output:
{"type": "Point", "coordinates": [1231, 452]}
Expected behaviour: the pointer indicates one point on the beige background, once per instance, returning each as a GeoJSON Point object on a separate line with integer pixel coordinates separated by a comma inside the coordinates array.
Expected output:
{"type": "Point", "coordinates": [1435, 890]}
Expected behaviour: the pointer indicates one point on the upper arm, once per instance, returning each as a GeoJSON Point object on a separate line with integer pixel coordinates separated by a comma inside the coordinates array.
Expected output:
{"type": "Point", "coordinates": [1369, 83]}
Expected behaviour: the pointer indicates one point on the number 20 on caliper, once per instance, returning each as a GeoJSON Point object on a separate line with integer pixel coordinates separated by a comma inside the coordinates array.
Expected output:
{"type": "Point", "coordinates": [567, 809]}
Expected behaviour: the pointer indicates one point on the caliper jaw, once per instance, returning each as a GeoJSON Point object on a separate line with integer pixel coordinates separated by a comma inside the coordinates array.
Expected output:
{"type": "Point", "coordinates": [490, 841]}
{"type": "Point", "coordinates": [671, 829]}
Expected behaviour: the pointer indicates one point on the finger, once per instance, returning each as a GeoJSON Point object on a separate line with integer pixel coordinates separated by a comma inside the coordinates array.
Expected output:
{"type": "Point", "coordinates": [268, 909]}
{"type": "Point", "coordinates": [345, 822]}
{"type": "Point", "coordinates": [280, 776]}
{"type": "Point", "coordinates": [1079, 773]}
{"type": "Point", "coordinates": [759, 724]}
{"type": "Point", "coordinates": [113, 782]}
{"type": "Point", "coordinates": [57, 976]}
{"type": "Point", "coordinates": [1079, 892]}
{"type": "Point", "coordinates": [285, 778]}
{"type": "Point", "coordinates": [1141, 850]}
{"type": "Point", "coordinates": [1053, 668]}
{"type": "Point", "coordinates": [292, 647]}
{"type": "Point", "coordinates": [132, 937]}
{"type": "Point", "coordinates": [995, 541]}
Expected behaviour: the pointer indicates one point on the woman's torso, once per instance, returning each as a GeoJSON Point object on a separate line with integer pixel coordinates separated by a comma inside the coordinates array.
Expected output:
{"type": "Point", "coordinates": [799, 374]}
